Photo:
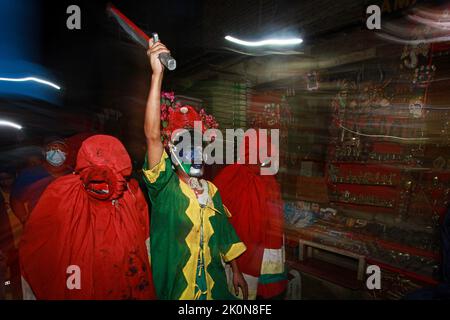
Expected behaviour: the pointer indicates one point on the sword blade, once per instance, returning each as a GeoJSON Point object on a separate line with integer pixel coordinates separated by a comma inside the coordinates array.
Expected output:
{"type": "Point", "coordinates": [132, 30]}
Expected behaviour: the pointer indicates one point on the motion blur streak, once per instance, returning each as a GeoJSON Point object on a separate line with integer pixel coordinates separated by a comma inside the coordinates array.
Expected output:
{"type": "Point", "coordinates": [276, 42]}
{"type": "Point", "coordinates": [413, 42]}
{"type": "Point", "coordinates": [31, 79]}
{"type": "Point", "coordinates": [437, 24]}
{"type": "Point", "coordinates": [431, 23]}
{"type": "Point", "coordinates": [10, 124]}
{"type": "Point", "coordinates": [382, 135]}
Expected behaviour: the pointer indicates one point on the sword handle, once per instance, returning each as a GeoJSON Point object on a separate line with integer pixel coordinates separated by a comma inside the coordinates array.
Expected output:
{"type": "Point", "coordinates": [165, 58]}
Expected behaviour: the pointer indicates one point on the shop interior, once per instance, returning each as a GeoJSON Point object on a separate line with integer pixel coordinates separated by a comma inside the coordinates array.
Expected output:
{"type": "Point", "coordinates": [363, 116]}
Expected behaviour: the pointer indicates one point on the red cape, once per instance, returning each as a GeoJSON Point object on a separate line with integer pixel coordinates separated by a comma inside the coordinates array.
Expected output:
{"type": "Point", "coordinates": [103, 234]}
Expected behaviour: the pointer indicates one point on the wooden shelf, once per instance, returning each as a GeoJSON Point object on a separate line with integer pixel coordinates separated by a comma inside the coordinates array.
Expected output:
{"type": "Point", "coordinates": [366, 184]}
{"type": "Point", "coordinates": [408, 274]}
{"type": "Point", "coordinates": [326, 271]}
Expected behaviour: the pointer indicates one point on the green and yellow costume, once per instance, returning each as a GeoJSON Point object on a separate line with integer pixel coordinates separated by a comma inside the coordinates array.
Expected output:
{"type": "Point", "coordinates": [188, 241]}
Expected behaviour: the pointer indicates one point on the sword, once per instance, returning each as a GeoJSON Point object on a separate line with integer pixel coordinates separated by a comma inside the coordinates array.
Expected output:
{"type": "Point", "coordinates": [139, 36]}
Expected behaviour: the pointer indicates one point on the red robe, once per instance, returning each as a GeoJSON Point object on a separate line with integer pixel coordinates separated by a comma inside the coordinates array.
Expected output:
{"type": "Point", "coordinates": [76, 222]}
{"type": "Point", "coordinates": [256, 207]}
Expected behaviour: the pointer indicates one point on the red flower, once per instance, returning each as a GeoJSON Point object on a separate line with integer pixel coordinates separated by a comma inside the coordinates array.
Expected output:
{"type": "Point", "coordinates": [168, 95]}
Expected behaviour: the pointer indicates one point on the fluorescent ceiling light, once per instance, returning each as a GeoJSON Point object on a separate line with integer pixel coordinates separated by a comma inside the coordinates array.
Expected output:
{"type": "Point", "coordinates": [10, 124]}
{"type": "Point", "coordinates": [48, 83]}
{"type": "Point", "coordinates": [267, 42]}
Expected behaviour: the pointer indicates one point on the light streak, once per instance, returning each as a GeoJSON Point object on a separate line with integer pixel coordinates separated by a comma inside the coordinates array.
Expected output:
{"type": "Point", "coordinates": [10, 124]}
{"type": "Point", "coordinates": [34, 79]}
{"type": "Point", "coordinates": [383, 136]}
{"type": "Point", "coordinates": [272, 42]}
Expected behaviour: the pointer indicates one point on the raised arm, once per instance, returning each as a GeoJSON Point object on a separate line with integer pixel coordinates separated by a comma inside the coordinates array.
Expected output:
{"type": "Point", "coordinates": [152, 110]}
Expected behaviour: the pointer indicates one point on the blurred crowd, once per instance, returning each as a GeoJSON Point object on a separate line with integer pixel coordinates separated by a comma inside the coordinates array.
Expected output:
{"type": "Point", "coordinates": [21, 185]}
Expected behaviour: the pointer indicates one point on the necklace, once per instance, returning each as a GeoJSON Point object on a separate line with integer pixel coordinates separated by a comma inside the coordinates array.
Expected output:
{"type": "Point", "coordinates": [195, 185]}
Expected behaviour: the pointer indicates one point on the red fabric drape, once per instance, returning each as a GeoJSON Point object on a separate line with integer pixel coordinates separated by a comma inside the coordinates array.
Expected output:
{"type": "Point", "coordinates": [256, 207]}
{"type": "Point", "coordinates": [95, 220]}
{"type": "Point", "coordinates": [74, 144]}
{"type": "Point", "coordinates": [254, 201]}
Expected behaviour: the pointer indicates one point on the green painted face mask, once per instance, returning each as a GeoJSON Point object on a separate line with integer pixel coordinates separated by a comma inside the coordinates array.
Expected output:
{"type": "Point", "coordinates": [184, 162]}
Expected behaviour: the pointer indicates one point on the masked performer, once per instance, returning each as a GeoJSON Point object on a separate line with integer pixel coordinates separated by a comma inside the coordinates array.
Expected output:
{"type": "Point", "coordinates": [32, 181]}
{"type": "Point", "coordinates": [255, 201]}
{"type": "Point", "coordinates": [190, 231]}
{"type": "Point", "coordinates": [87, 236]}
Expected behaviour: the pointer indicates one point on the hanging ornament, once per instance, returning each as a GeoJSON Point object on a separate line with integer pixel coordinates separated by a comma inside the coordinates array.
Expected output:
{"type": "Point", "coordinates": [411, 53]}
{"type": "Point", "coordinates": [416, 108]}
{"type": "Point", "coordinates": [423, 75]}
{"type": "Point", "coordinates": [439, 163]}
{"type": "Point", "coordinates": [312, 81]}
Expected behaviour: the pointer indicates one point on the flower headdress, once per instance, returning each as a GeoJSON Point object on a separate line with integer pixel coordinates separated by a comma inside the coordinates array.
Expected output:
{"type": "Point", "coordinates": [175, 116]}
